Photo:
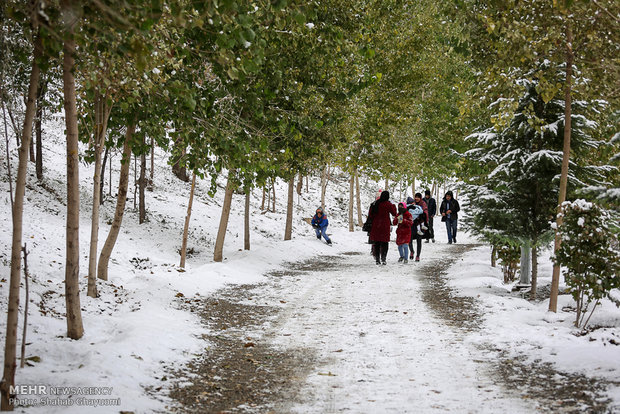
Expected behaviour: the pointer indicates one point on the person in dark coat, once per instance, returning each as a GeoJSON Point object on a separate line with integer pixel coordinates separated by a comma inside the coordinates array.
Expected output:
{"type": "Point", "coordinates": [368, 223]}
{"type": "Point", "coordinates": [449, 214]}
{"type": "Point", "coordinates": [404, 221]}
{"type": "Point", "coordinates": [432, 211]}
{"type": "Point", "coordinates": [424, 220]}
{"type": "Point", "coordinates": [380, 233]}
{"type": "Point", "coordinates": [320, 223]}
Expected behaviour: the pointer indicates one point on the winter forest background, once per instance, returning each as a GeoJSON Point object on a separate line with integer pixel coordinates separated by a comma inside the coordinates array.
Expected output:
{"type": "Point", "coordinates": [149, 145]}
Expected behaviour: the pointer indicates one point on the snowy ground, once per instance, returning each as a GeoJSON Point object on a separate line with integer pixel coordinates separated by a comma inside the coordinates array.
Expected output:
{"type": "Point", "coordinates": [136, 328]}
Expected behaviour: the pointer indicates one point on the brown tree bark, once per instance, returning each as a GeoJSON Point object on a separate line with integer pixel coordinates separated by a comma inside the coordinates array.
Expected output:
{"type": "Point", "coordinates": [152, 171]}
{"type": "Point", "coordinates": [262, 205]}
{"type": "Point", "coordinates": [102, 115]}
{"type": "Point", "coordinates": [221, 232]}
{"type": "Point", "coordinates": [187, 218]}
{"type": "Point", "coordinates": [351, 201]}
{"type": "Point", "coordinates": [135, 182]}
{"type": "Point", "coordinates": [358, 199]}
{"type": "Point", "coordinates": [246, 221]}
{"type": "Point", "coordinates": [300, 184]}
{"type": "Point", "coordinates": [177, 169]}
{"type": "Point", "coordinates": [22, 362]}
{"type": "Point", "coordinates": [273, 199]}
{"type": "Point", "coordinates": [10, 348]}
{"type": "Point", "coordinates": [142, 187]}
{"type": "Point", "coordinates": [123, 184]}
{"type": "Point", "coordinates": [75, 329]}
{"type": "Point", "coordinates": [288, 229]}
{"type": "Point", "coordinates": [38, 130]}
{"type": "Point", "coordinates": [102, 181]}
{"type": "Point", "coordinates": [555, 279]}
{"type": "Point", "coordinates": [31, 151]}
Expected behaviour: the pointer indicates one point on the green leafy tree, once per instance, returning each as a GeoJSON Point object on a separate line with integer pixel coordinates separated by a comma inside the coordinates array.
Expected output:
{"type": "Point", "coordinates": [590, 255]}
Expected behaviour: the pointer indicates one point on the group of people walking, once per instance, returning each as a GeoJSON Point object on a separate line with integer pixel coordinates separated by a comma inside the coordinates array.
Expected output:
{"type": "Point", "coordinates": [414, 220]}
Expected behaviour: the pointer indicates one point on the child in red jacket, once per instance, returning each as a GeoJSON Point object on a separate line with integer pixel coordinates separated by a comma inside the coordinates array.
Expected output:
{"type": "Point", "coordinates": [404, 220]}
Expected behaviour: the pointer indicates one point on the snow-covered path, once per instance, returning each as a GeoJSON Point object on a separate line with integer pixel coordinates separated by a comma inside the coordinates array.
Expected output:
{"type": "Point", "coordinates": [382, 348]}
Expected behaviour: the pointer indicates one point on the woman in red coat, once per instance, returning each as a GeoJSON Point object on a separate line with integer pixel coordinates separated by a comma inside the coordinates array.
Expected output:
{"type": "Point", "coordinates": [380, 233]}
{"type": "Point", "coordinates": [404, 220]}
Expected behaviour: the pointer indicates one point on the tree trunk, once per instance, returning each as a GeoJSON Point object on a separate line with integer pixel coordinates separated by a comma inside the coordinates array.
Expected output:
{"type": "Point", "coordinates": [123, 184]}
{"type": "Point", "coordinates": [273, 200]}
{"type": "Point", "coordinates": [31, 151]}
{"type": "Point", "coordinates": [324, 179]}
{"type": "Point", "coordinates": [360, 220]}
{"type": "Point", "coordinates": [26, 302]}
{"type": "Point", "coordinates": [10, 348]}
{"type": "Point", "coordinates": [288, 230]}
{"type": "Point", "coordinates": [102, 114]}
{"type": "Point", "coordinates": [39, 132]}
{"type": "Point", "coordinates": [151, 177]}
{"type": "Point", "coordinates": [525, 268]}
{"type": "Point", "coordinates": [262, 205]}
{"type": "Point", "coordinates": [534, 272]}
{"type": "Point", "coordinates": [135, 182]}
{"type": "Point", "coordinates": [555, 279]}
{"type": "Point", "coordinates": [221, 232]}
{"type": "Point", "coordinates": [246, 221]}
{"type": "Point", "coordinates": [187, 217]}
{"type": "Point", "coordinates": [15, 128]}
{"type": "Point", "coordinates": [142, 186]}
{"type": "Point", "coordinates": [300, 184]}
{"type": "Point", "coordinates": [494, 256]}
{"type": "Point", "coordinates": [75, 329]}
{"type": "Point", "coordinates": [179, 170]}
{"type": "Point", "coordinates": [8, 156]}
{"type": "Point", "coordinates": [110, 180]}
{"type": "Point", "coordinates": [351, 202]}
{"type": "Point", "coordinates": [102, 182]}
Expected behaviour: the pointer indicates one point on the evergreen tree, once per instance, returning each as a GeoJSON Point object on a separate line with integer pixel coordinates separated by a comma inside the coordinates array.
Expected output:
{"type": "Point", "coordinates": [514, 198]}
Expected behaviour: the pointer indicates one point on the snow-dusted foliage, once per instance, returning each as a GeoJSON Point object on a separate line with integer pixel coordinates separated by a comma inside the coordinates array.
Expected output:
{"type": "Point", "coordinates": [514, 196]}
{"type": "Point", "coordinates": [590, 255]}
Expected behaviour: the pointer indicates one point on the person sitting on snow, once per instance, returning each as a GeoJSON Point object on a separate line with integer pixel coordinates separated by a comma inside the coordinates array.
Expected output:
{"type": "Point", "coordinates": [320, 223]}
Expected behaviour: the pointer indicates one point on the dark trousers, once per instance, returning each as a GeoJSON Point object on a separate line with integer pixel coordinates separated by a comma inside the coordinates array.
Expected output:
{"type": "Point", "coordinates": [380, 250]}
{"type": "Point", "coordinates": [418, 242]}
{"type": "Point", "coordinates": [431, 231]}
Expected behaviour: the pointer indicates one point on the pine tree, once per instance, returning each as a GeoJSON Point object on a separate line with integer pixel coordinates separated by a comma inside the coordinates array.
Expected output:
{"type": "Point", "coordinates": [514, 198]}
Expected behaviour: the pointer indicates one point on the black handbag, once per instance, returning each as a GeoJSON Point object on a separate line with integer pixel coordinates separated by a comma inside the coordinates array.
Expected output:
{"type": "Point", "coordinates": [367, 225]}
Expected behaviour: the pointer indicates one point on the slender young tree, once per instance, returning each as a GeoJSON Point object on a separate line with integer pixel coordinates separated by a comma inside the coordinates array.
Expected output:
{"type": "Point", "coordinates": [221, 232]}
{"type": "Point", "coordinates": [75, 329]}
{"type": "Point", "coordinates": [288, 230]}
{"type": "Point", "coordinates": [102, 114]}
{"type": "Point", "coordinates": [123, 184]}
{"type": "Point", "coordinates": [246, 221]}
{"type": "Point", "coordinates": [187, 218]}
{"type": "Point", "coordinates": [555, 278]}
{"type": "Point", "coordinates": [358, 199]}
{"type": "Point", "coordinates": [142, 186]}
{"type": "Point", "coordinates": [351, 202]}
{"type": "Point", "coordinates": [10, 347]}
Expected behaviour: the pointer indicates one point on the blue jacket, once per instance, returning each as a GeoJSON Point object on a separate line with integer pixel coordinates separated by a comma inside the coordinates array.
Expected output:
{"type": "Point", "coordinates": [321, 222]}
{"type": "Point", "coordinates": [416, 211]}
